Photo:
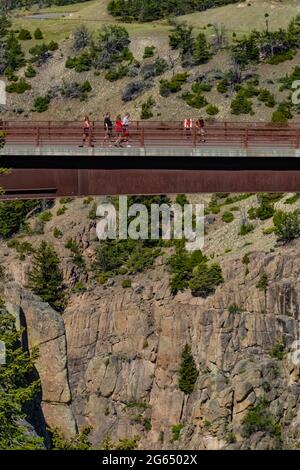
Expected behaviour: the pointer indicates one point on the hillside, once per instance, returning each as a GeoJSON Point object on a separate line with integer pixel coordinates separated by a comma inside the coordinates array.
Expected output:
{"type": "Point", "coordinates": [216, 84]}
{"type": "Point", "coordinates": [116, 349]}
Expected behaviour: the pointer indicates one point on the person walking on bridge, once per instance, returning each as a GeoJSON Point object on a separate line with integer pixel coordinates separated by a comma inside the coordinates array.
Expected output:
{"type": "Point", "coordinates": [108, 127]}
{"type": "Point", "coordinates": [125, 125]}
{"type": "Point", "coordinates": [86, 131]}
{"type": "Point", "coordinates": [119, 131]}
{"type": "Point", "coordinates": [187, 125]}
{"type": "Point", "coordinates": [200, 129]}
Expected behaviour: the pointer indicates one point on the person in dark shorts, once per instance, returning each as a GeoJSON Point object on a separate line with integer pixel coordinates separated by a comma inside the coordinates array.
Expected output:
{"type": "Point", "coordinates": [108, 128]}
{"type": "Point", "coordinates": [200, 129]}
{"type": "Point", "coordinates": [86, 131]}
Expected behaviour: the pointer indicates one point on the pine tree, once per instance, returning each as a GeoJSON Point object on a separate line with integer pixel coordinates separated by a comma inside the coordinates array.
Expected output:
{"type": "Point", "coordinates": [16, 389]}
{"type": "Point", "coordinates": [45, 277]}
{"type": "Point", "coordinates": [188, 371]}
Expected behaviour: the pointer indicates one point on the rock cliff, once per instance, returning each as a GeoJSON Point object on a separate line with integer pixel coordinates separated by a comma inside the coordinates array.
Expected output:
{"type": "Point", "coordinates": [112, 359]}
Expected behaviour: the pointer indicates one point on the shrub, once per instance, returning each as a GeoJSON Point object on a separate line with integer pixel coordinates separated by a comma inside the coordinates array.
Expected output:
{"type": "Point", "coordinates": [292, 199]}
{"type": "Point", "coordinates": [88, 200]}
{"type": "Point", "coordinates": [241, 105]}
{"type": "Point", "coordinates": [200, 87]}
{"type": "Point", "coordinates": [283, 113]}
{"type": "Point", "coordinates": [82, 63]}
{"type": "Point", "coordinates": [234, 309]}
{"type": "Point", "coordinates": [263, 212]}
{"type": "Point", "coordinates": [30, 72]}
{"type": "Point", "coordinates": [176, 431]}
{"type": "Point", "coordinates": [117, 73]}
{"type": "Point", "coordinates": [126, 283]}
{"type": "Point", "coordinates": [222, 86]}
{"type": "Point", "coordinates": [263, 282]}
{"type": "Point", "coordinates": [18, 87]}
{"type": "Point", "coordinates": [195, 100]}
{"type": "Point", "coordinates": [188, 372]}
{"type": "Point", "coordinates": [61, 210]}
{"type": "Point", "coordinates": [147, 106]}
{"type": "Point", "coordinates": [24, 35]}
{"type": "Point", "coordinates": [204, 280]}
{"type": "Point", "coordinates": [246, 228]}
{"type": "Point", "coordinates": [212, 110]}
{"type": "Point", "coordinates": [13, 215]}
{"type": "Point", "coordinates": [227, 217]}
{"type": "Point", "coordinates": [259, 418]}
{"type": "Point", "coordinates": [278, 351]}
{"type": "Point", "coordinates": [45, 277]}
{"type": "Point", "coordinates": [81, 38]}
{"type": "Point", "coordinates": [174, 85]}
{"type": "Point", "coordinates": [57, 233]}
{"type": "Point", "coordinates": [45, 216]}
{"type": "Point", "coordinates": [148, 52]}
{"type": "Point", "coordinates": [77, 257]}
{"type": "Point", "coordinates": [133, 90]}
{"type": "Point", "coordinates": [38, 34]}
{"type": "Point", "coordinates": [41, 104]}
{"type": "Point", "coordinates": [287, 225]}
{"type": "Point", "coordinates": [267, 97]}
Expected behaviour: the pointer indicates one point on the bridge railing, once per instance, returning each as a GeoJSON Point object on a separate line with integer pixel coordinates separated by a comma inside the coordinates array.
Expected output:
{"type": "Point", "coordinates": [154, 134]}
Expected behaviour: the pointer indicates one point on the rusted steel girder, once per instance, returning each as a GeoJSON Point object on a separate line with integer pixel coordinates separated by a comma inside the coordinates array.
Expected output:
{"type": "Point", "coordinates": [55, 176]}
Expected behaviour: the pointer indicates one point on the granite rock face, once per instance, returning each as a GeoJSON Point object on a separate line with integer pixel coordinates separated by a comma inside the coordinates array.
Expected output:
{"type": "Point", "coordinates": [45, 331]}
{"type": "Point", "coordinates": [111, 360]}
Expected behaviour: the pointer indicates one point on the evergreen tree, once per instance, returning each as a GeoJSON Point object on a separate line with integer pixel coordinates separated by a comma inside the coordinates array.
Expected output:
{"type": "Point", "coordinates": [188, 371]}
{"type": "Point", "coordinates": [45, 277]}
{"type": "Point", "coordinates": [16, 389]}
{"type": "Point", "coordinates": [201, 49]}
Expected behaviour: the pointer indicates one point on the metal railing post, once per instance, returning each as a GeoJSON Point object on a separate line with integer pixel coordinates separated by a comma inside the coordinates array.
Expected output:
{"type": "Point", "coordinates": [142, 137]}
{"type": "Point", "coordinates": [37, 139]}
{"type": "Point", "coordinates": [194, 137]}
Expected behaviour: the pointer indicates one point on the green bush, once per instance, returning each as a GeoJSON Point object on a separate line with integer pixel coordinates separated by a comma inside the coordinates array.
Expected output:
{"type": "Point", "coordinates": [174, 85]}
{"type": "Point", "coordinates": [234, 309]}
{"type": "Point", "coordinates": [18, 87]}
{"type": "Point", "coordinates": [201, 87]}
{"type": "Point", "coordinates": [204, 280]}
{"type": "Point", "coordinates": [46, 216]}
{"type": "Point", "coordinates": [267, 97]}
{"type": "Point", "coordinates": [283, 113]}
{"type": "Point", "coordinates": [259, 418]}
{"type": "Point", "coordinates": [227, 217]}
{"type": "Point", "coordinates": [82, 63]}
{"type": "Point", "coordinates": [278, 351]}
{"type": "Point", "coordinates": [263, 212]}
{"type": "Point", "coordinates": [176, 431]}
{"type": "Point", "coordinates": [148, 52]}
{"type": "Point", "coordinates": [117, 73]}
{"type": "Point", "coordinates": [126, 283]}
{"type": "Point", "coordinates": [13, 215]}
{"type": "Point", "coordinates": [292, 199]}
{"type": "Point", "coordinates": [246, 228]}
{"type": "Point", "coordinates": [195, 100]}
{"type": "Point", "coordinates": [41, 104]}
{"type": "Point", "coordinates": [212, 110]}
{"type": "Point", "coordinates": [30, 72]}
{"type": "Point", "coordinates": [263, 282]}
{"type": "Point", "coordinates": [24, 35]}
{"type": "Point", "coordinates": [57, 233]}
{"type": "Point", "coordinates": [222, 86]}
{"type": "Point", "coordinates": [241, 105]}
{"type": "Point", "coordinates": [61, 210]}
{"type": "Point", "coordinates": [38, 34]}
{"type": "Point", "coordinates": [287, 225]}
{"type": "Point", "coordinates": [147, 106]}
{"type": "Point", "coordinates": [188, 372]}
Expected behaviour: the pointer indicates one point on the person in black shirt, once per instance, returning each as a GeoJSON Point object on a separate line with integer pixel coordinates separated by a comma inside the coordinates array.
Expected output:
{"type": "Point", "coordinates": [108, 128]}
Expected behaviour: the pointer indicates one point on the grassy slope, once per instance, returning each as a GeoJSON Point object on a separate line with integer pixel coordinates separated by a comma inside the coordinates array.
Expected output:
{"type": "Point", "coordinates": [107, 95]}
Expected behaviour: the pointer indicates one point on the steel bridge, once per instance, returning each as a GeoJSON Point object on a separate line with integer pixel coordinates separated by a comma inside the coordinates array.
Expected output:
{"type": "Point", "coordinates": [45, 159]}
